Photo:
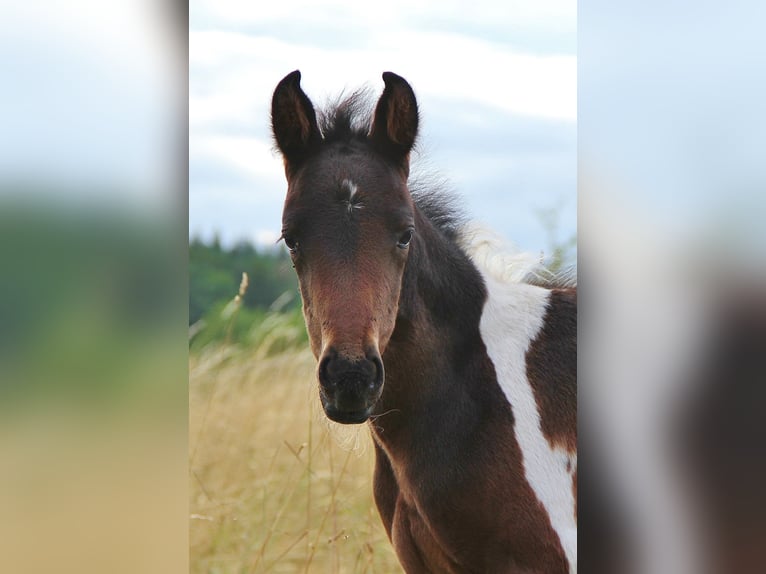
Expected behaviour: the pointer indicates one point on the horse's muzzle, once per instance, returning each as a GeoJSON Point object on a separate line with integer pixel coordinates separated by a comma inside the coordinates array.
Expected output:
{"type": "Point", "coordinates": [348, 388]}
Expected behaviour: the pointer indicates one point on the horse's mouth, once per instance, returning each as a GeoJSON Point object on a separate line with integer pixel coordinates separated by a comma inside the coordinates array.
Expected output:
{"type": "Point", "coordinates": [347, 417]}
{"type": "Point", "coordinates": [352, 402]}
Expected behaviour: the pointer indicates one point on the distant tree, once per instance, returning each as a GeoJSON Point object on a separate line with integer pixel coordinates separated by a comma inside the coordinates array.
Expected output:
{"type": "Point", "coordinates": [563, 252]}
{"type": "Point", "coordinates": [215, 273]}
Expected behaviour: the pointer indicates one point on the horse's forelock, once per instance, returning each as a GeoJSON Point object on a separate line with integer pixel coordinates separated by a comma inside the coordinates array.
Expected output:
{"type": "Point", "coordinates": [347, 117]}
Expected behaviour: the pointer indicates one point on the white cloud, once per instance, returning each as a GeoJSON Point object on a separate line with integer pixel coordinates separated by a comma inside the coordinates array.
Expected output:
{"type": "Point", "coordinates": [541, 15]}
{"type": "Point", "coordinates": [239, 67]}
{"type": "Point", "coordinates": [246, 155]}
{"type": "Point", "coordinates": [90, 98]}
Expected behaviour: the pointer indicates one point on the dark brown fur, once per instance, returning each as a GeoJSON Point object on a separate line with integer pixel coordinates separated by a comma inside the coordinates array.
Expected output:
{"type": "Point", "coordinates": [549, 369]}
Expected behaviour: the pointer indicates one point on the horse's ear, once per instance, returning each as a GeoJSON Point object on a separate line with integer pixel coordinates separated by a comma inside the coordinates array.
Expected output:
{"type": "Point", "coordinates": [293, 121]}
{"type": "Point", "coordinates": [395, 123]}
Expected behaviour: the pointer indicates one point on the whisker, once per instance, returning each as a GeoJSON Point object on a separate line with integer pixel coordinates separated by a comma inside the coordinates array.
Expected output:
{"type": "Point", "coordinates": [376, 417]}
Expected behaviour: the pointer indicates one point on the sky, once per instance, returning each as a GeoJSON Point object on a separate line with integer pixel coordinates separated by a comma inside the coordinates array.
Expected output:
{"type": "Point", "coordinates": [91, 102]}
{"type": "Point", "coordinates": [496, 85]}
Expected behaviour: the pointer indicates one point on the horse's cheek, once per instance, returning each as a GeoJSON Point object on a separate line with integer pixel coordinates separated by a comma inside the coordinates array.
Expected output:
{"type": "Point", "coordinates": [313, 325]}
{"type": "Point", "coordinates": [387, 319]}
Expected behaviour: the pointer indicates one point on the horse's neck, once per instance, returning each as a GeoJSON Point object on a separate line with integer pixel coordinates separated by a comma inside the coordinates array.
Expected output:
{"type": "Point", "coordinates": [452, 319]}
{"type": "Point", "coordinates": [436, 337]}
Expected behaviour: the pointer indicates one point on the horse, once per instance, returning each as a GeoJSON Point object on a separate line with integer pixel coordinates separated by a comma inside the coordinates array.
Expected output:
{"type": "Point", "coordinates": [464, 372]}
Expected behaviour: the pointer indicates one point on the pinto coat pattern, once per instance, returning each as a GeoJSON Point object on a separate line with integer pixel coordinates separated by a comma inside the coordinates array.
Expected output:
{"type": "Point", "coordinates": [465, 376]}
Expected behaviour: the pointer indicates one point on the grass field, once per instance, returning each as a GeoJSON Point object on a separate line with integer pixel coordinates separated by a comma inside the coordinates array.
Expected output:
{"type": "Point", "coordinates": [274, 486]}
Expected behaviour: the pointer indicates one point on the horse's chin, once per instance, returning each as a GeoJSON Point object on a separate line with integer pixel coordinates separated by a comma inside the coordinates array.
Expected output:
{"type": "Point", "coordinates": [347, 417]}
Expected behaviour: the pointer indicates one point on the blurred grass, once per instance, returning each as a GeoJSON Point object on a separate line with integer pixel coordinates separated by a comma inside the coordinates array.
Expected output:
{"type": "Point", "coordinates": [93, 364]}
{"type": "Point", "coordinates": [275, 486]}
{"type": "Point", "coordinates": [90, 310]}
{"type": "Point", "coordinates": [93, 292]}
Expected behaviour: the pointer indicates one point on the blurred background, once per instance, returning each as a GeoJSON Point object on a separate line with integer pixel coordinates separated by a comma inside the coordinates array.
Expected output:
{"type": "Point", "coordinates": [93, 305]}
{"type": "Point", "coordinates": [672, 355]}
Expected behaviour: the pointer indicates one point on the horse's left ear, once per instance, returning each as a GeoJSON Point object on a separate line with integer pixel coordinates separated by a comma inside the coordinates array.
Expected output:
{"type": "Point", "coordinates": [395, 124]}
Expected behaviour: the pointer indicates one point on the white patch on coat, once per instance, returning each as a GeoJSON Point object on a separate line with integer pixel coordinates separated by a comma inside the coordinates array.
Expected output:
{"type": "Point", "coordinates": [511, 320]}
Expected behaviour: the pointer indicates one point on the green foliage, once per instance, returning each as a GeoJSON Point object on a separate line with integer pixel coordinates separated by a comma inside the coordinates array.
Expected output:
{"type": "Point", "coordinates": [563, 251]}
{"type": "Point", "coordinates": [215, 274]}
{"type": "Point", "coordinates": [91, 303]}
{"type": "Point", "coordinates": [268, 331]}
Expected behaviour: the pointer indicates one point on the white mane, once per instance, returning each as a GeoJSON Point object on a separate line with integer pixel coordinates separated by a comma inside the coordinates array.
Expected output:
{"type": "Point", "coordinates": [499, 259]}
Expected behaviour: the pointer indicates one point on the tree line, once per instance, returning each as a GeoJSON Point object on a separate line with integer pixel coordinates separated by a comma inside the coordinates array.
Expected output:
{"type": "Point", "coordinates": [215, 273]}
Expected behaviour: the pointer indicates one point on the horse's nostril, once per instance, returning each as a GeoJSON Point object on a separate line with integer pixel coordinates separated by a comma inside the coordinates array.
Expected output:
{"type": "Point", "coordinates": [374, 358]}
{"type": "Point", "coordinates": [325, 376]}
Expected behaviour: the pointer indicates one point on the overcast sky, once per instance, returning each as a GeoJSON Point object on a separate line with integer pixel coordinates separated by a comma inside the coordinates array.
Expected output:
{"type": "Point", "coordinates": [496, 86]}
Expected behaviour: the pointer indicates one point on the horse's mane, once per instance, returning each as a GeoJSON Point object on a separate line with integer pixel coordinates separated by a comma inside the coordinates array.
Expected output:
{"type": "Point", "coordinates": [508, 264]}
{"type": "Point", "coordinates": [348, 118]}
{"type": "Point", "coordinates": [438, 202]}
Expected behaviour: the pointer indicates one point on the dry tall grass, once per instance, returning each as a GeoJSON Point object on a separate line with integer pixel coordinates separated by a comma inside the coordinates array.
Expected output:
{"type": "Point", "coordinates": [275, 487]}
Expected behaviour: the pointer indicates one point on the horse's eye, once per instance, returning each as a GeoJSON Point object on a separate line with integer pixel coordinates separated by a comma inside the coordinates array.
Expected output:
{"type": "Point", "coordinates": [290, 242]}
{"type": "Point", "coordinates": [404, 239]}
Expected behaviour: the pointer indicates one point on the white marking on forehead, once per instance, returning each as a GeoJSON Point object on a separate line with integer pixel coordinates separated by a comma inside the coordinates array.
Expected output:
{"type": "Point", "coordinates": [512, 318]}
{"type": "Point", "coordinates": [351, 188]}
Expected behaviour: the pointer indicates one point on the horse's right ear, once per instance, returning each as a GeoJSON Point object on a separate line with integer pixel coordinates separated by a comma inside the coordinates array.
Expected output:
{"type": "Point", "coordinates": [293, 121]}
